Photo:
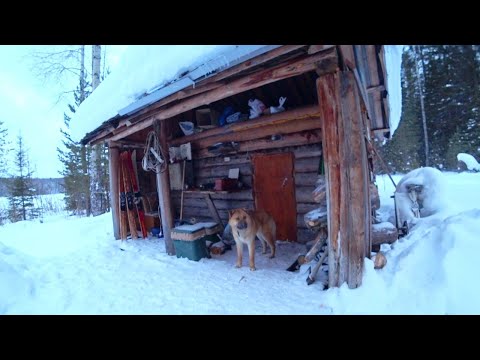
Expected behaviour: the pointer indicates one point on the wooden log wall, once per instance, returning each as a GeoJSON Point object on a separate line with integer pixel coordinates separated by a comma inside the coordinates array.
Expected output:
{"type": "Point", "coordinates": [307, 161]}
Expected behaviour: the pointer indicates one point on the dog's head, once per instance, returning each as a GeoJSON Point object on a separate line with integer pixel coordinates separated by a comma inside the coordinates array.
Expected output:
{"type": "Point", "coordinates": [239, 219]}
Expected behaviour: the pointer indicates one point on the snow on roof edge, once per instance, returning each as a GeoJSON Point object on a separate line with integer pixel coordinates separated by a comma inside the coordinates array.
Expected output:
{"type": "Point", "coordinates": [144, 74]}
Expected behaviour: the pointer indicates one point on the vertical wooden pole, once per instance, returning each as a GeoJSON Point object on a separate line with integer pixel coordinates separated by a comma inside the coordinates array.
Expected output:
{"type": "Point", "coordinates": [163, 188]}
{"type": "Point", "coordinates": [355, 178]}
{"type": "Point", "coordinates": [329, 102]}
{"type": "Point", "coordinates": [348, 200]}
{"type": "Point", "coordinates": [113, 165]}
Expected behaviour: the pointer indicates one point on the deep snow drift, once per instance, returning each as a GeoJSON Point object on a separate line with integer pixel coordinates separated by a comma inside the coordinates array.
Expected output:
{"type": "Point", "coordinates": [69, 265]}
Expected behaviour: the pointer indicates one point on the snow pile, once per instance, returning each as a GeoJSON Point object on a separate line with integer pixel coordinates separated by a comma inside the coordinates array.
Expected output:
{"type": "Point", "coordinates": [393, 60]}
{"type": "Point", "coordinates": [15, 284]}
{"type": "Point", "coordinates": [69, 265]}
{"type": "Point", "coordinates": [431, 197]}
{"type": "Point", "coordinates": [469, 161]}
{"type": "Point", "coordinates": [141, 70]}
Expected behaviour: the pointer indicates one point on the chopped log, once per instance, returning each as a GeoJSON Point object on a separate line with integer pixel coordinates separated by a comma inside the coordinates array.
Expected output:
{"type": "Point", "coordinates": [380, 261]}
{"type": "Point", "coordinates": [320, 192]}
{"type": "Point", "coordinates": [317, 218]}
{"type": "Point", "coordinates": [384, 233]}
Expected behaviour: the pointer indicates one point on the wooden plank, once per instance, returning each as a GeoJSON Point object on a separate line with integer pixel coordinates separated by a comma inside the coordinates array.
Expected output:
{"type": "Point", "coordinates": [113, 166]}
{"type": "Point", "coordinates": [355, 193]}
{"type": "Point", "coordinates": [258, 133]}
{"type": "Point", "coordinates": [296, 139]}
{"type": "Point", "coordinates": [373, 65]}
{"type": "Point", "coordinates": [262, 77]}
{"type": "Point", "coordinates": [301, 113]}
{"type": "Point", "coordinates": [348, 57]}
{"type": "Point", "coordinates": [328, 88]}
{"type": "Point", "coordinates": [259, 60]}
{"type": "Point", "coordinates": [163, 189]}
{"type": "Point", "coordinates": [274, 180]}
{"type": "Point", "coordinates": [313, 49]}
{"type": "Point", "coordinates": [376, 88]}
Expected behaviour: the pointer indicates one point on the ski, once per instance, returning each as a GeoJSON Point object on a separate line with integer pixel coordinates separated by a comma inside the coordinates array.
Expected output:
{"type": "Point", "coordinates": [137, 197]}
{"type": "Point", "coordinates": [129, 195]}
{"type": "Point", "coordinates": [122, 205]}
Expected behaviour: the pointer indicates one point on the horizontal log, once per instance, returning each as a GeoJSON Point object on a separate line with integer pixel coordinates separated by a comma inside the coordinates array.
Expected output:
{"type": "Point", "coordinates": [316, 218]}
{"type": "Point", "coordinates": [306, 179]}
{"type": "Point", "coordinates": [310, 164]}
{"type": "Point", "coordinates": [222, 171]}
{"type": "Point", "coordinates": [297, 139]}
{"type": "Point", "coordinates": [259, 133]}
{"type": "Point", "coordinates": [303, 194]}
{"type": "Point", "coordinates": [246, 180]}
{"type": "Point", "coordinates": [384, 233]}
{"type": "Point", "coordinates": [257, 79]}
{"type": "Point", "coordinates": [237, 195]}
{"type": "Point", "coordinates": [219, 204]}
{"type": "Point", "coordinates": [233, 161]}
{"type": "Point", "coordinates": [312, 152]}
{"type": "Point", "coordinates": [311, 112]}
{"type": "Point", "coordinates": [303, 208]}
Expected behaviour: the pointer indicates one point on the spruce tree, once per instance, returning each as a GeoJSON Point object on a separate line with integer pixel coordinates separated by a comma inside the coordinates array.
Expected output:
{"type": "Point", "coordinates": [74, 158]}
{"type": "Point", "coordinates": [22, 192]}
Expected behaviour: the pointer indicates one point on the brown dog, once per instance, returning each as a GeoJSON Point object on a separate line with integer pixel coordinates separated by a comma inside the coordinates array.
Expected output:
{"type": "Point", "coordinates": [245, 225]}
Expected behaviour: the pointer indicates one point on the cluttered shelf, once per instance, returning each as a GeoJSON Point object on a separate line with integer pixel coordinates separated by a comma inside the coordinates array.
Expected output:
{"type": "Point", "coordinates": [310, 111]}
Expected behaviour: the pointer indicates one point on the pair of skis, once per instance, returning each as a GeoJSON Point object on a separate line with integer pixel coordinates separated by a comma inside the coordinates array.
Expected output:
{"type": "Point", "coordinates": [131, 207]}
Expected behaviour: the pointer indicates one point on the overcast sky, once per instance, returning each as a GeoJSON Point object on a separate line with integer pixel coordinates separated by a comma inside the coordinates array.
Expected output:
{"type": "Point", "coordinates": [28, 104]}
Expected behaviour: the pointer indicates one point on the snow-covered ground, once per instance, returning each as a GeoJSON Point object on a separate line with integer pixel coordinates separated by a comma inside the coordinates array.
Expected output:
{"type": "Point", "coordinates": [71, 265]}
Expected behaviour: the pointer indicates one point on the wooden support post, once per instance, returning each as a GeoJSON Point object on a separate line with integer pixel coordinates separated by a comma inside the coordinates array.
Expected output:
{"type": "Point", "coordinates": [113, 165]}
{"type": "Point", "coordinates": [348, 199]}
{"type": "Point", "coordinates": [329, 102]}
{"type": "Point", "coordinates": [163, 189]}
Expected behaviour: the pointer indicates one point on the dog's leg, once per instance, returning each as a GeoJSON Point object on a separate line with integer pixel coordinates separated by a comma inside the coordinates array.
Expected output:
{"type": "Point", "coordinates": [271, 244]}
{"type": "Point", "coordinates": [251, 254]}
{"type": "Point", "coordinates": [239, 254]}
{"type": "Point", "coordinates": [264, 243]}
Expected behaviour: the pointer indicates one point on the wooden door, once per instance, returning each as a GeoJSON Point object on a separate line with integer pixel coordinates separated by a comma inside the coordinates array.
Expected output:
{"type": "Point", "coordinates": [274, 191]}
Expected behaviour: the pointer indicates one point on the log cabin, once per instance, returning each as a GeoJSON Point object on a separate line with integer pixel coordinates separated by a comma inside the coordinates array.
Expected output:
{"type": "Point", "coordinates": [336, 105]}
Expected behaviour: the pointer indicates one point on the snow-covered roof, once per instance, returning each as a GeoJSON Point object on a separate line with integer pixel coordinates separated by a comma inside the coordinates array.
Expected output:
{"type": "Point", "coordinates": [148, 73]}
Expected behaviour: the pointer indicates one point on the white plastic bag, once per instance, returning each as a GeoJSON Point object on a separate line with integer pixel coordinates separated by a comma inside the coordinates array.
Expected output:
{"type": "Point", "coordinates": [257, 108]}
{"type": "Point", "coordinates": [279, 108]}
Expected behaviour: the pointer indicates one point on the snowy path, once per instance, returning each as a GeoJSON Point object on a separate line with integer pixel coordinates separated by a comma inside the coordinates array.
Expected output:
{"type": "Point", "coordinates": [99, 278]}
{"type": "Point", "coordinates": [74, 266]}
